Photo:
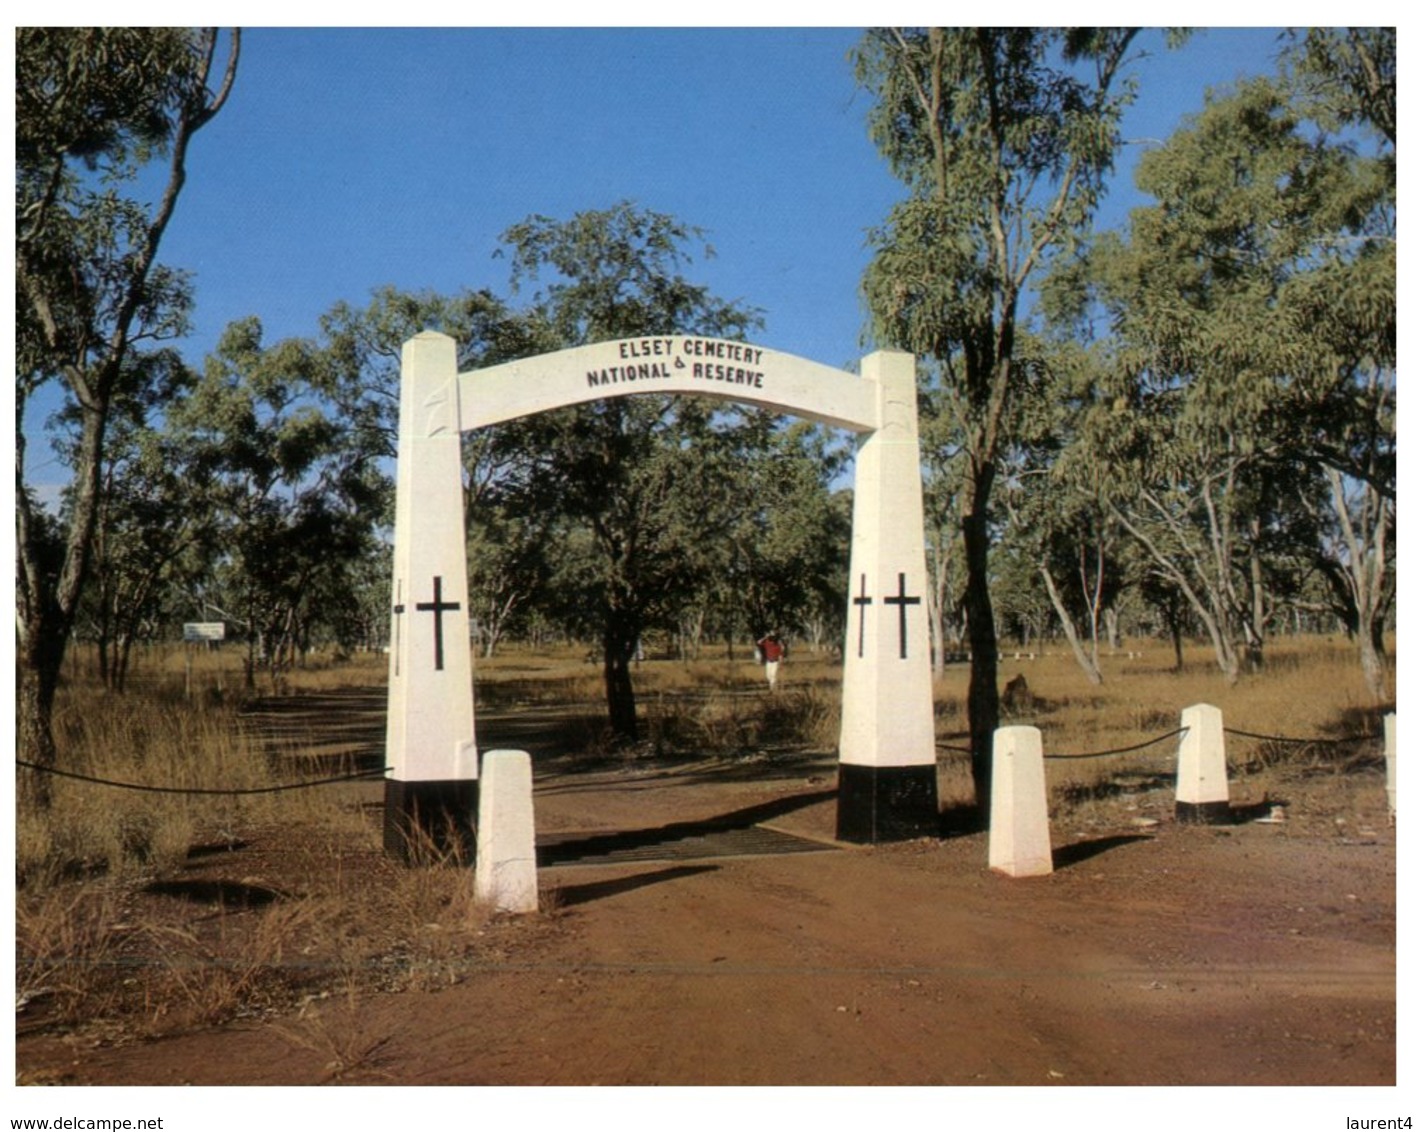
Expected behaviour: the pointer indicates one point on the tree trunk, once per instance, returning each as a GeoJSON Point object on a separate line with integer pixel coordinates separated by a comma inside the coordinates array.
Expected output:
{"type": "Point", "coordinates": [619, 644]}
{"type": "Point", "coordinates": [1088, 663]}
{"type": "Point", "coordinates": [1214, 609]}
{"type": "Point", "coordinates": [690, 634]}
{"type": "Point", "coordinates": [936, 641]}
{"type": "Point", "coordinates": [1226, 656]}
{"type": "Point", "coordinates": [938, 599]}
{"type": "Point", "coordinates": [106, 673]}
{"type": "Point", "coordinates": [1377, 625]}
{"type": "Point", "coordinates": [1373, 656]}
{"type": "Point", "coordinates": [1114, 629]}
{"type": "Point", "coordinates": [495, 621]}
{"type": "Point", "coordinates": [1255, 629]}
{"type": "Point", "coordinates": [1093, 595]}
{"type": "Point", "coordinates": [47, 603]}
{"type": "Point", "coordinates": [37, 681]}
{"type": "Point", "coordinates": [1371, 660]}
{"type": "Point", "coordinates": [983, 644]}
{"type": "Point", "coordinates": [1364, 586]}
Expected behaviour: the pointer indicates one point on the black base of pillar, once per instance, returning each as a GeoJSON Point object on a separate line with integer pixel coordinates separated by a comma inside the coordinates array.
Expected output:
{"type": "Point", "coordinates": [1203, 813]}
{"type": "Point", "coordinates": [887, 803]}
{"type": "Point", "coordinates": [431, 822]}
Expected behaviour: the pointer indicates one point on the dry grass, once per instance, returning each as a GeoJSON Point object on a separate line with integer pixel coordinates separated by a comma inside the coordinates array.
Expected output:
{"type": "Point", "coordinates": [1311, 688]}
{"type": "Point", "coordinates": [337, 1028]}
{"type": "Point", "coordinates": [116, 921]}
{"type": "Point", "coordinates": [144, 742]}
{"type": "Point", "coordinates": [116, 917]}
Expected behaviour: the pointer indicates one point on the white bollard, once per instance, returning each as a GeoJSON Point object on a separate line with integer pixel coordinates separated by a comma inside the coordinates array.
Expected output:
{"type": "Point", "coordinates": [1390, 757]}
{"type": "Point", "coordinates": [1202, 788]}
{"type": "Point", "coordinates": [1018, 841]}
{"type": "Point", "coordinates": [505, 872]}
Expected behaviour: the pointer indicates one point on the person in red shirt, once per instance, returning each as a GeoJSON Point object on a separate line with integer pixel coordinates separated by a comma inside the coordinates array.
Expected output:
{"type": "Point", "coordinates": [773, 651]}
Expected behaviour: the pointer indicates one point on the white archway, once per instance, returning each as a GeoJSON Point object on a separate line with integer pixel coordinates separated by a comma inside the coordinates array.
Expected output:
{"type": "Point", "coordinates": [887, 787]}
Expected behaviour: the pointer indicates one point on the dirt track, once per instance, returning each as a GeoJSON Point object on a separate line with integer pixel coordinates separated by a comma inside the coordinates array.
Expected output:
{"type": "Point", "coordinates": [1163, 954]}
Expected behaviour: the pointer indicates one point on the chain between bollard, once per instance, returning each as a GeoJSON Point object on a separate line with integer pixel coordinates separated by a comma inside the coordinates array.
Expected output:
{"type": "Point", "coordinates": [1125, 750]}
{"type": "Point", "coordinates": [358, 776]}
{"type": "Point", "coordinates": [1301, 742]}
{"type": "Point", "coordinates": [1088, 754]}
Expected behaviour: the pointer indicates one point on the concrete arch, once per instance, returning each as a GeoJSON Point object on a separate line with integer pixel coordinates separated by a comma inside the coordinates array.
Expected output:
{"type": "Point", "coordinates": [887, 755]}
{"type": "Point", "coordinates": [708, 367]}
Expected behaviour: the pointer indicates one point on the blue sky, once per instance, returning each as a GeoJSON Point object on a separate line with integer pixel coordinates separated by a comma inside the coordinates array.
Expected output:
{"type": "Point", "coordinates": [348, 159]}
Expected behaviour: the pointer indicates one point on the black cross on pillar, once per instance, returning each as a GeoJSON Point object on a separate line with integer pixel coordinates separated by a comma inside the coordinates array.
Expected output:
{"type": "Point", "coordinates": [863, 601]}
{"type": "Point", "coordinates": [902, 602]}
{"type": "Point", "coordinates": [438, 608]}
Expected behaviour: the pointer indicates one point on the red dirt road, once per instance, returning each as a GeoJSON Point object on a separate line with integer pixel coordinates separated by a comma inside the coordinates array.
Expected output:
{"type": "Point", "coordinates": [1163, 955]}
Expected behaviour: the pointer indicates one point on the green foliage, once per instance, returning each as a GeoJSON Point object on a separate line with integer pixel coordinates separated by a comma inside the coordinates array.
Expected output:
{"type": "Point", "coordinates": [294, 490]}
{"type": "Point", "coordinates": [1253, 320]}
{"type": "Point", "coordinates": [629, 471]}
{"type": "Point", "coordinates": [633, 513]}
{"type": "Point", "coordinates": [779, 559]}
{"type": "Point", "coordinates": [1213, 422]}
{"type": "Point", "coordinates": [92, 107]}
{"type": "Point", "coordinates": [153, 539]}
{"type": "Point", "coordinates": [616, 273]}
{"type": "Point", "coordinates": [1004, 138]}
{"type": "Point", "coordinates": [98, 94]}
{"type": "Point", "coordinates": [1349, 76]}
{"type": "Point", "coordinates": [360, 350]}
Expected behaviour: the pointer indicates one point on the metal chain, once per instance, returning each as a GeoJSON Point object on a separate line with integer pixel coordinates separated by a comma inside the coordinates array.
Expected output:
{"type": "Point", "coordinates": [357, 776]}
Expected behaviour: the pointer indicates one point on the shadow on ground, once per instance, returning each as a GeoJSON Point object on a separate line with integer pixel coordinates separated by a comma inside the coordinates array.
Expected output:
{"type": "Point", "coordinates": [598, 890]}
{"type": "Point", "coordinates": [1066, 856]}
{"type": "Point", "coordinates": [735, 834]}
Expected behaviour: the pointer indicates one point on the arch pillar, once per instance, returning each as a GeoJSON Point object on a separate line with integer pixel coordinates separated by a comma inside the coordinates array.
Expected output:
{"type": "Point", "coordinates": [431, 793]}
{"type": "Point", "coordinates": [888, 786]}
{"type": "Point", "coordinates": [887, 781]}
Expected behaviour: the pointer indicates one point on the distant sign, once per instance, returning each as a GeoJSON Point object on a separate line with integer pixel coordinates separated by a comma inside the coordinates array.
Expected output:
{"type": "Point", "coordinates": [204, 631]}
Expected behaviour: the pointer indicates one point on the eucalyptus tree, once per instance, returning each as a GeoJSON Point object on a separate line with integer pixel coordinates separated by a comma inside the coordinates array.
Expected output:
{"type": "Point", "coordinates": [770, 542]}
{"type": "Point", "coordinates": [1345, 79]}
{"type": "Point", "coordinates": [941, 447]}
{"type": "Point", "coordinates": [512, 551]}
{"type": "Point", "coordinates": [779, 565]}
{"type": "Point", "coordinates": [153, 532]}
{"type": "Point", "coordinates": [1348, 77]}
{"type": "Point", "coordinates": [1004, 138]}
{"type": "Point", "coordinates": [624, 467]}
{"type": "Point", "coordinates": [1065, 543]}
{"type": "Point", "coordinates": [93, 107]}
{"type": "Point", "coordinates": [360, 353]}
{"type": "Point", "coordinates": [360, 347]}
{"type": "Point", "coordinates": [1254, 308]}
{"type": "Point", "coordinates": [295, 497]}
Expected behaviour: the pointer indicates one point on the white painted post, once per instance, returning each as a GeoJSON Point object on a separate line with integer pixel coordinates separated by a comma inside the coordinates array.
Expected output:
{"type": "Point", "coordinates": [1202, 788]}
{"type": "Point", "coordinates": [505, 869]}
{"type": "Point", "coordinates": [1018, 839]}
{"type": "Point", "coordinates": [1390, 757]}
{"type": "Point", "coordinates": [430, 794]}
{"type": "Point", "coordinates": [888, 775]}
